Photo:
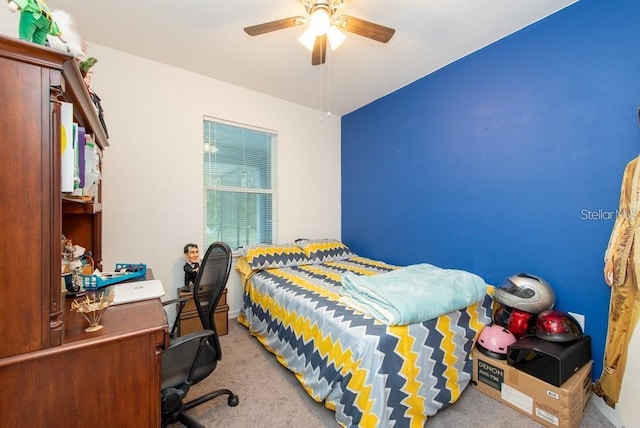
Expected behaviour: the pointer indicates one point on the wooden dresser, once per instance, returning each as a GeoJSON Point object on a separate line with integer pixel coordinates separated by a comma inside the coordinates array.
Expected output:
{"type": "Point", "coordinates": [53, 373]}
{"type": "Point", "coordinates": [190, 321]}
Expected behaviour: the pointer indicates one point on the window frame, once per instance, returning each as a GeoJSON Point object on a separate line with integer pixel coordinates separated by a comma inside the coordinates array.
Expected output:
{"type": "Point", "coordinates": [209, 185]}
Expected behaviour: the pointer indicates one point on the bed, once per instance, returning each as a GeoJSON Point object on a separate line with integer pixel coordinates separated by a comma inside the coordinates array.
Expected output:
{"type": "Point", "coordinates": [370, 373]}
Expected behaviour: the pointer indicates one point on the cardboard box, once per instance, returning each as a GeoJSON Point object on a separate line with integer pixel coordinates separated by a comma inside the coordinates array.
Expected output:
{"type": "Point", "coordinates": [552, 406]}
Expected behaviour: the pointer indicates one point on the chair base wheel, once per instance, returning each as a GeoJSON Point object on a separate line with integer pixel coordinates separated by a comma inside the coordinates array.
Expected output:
{"type": "Point", "coordinates": [233, 400]}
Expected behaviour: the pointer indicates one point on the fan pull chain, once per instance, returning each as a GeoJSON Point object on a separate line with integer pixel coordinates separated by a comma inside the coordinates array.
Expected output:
{"type": "Point", "coordinates": [322, 89]}
{"type": "Point", "coordinates": [329, 83]}
{"type": "Point", "coordinates": [325, 102]}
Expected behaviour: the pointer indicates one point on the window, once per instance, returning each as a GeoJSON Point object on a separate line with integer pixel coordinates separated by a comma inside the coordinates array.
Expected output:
{"type": "Point", "coordinates": [239, 183]}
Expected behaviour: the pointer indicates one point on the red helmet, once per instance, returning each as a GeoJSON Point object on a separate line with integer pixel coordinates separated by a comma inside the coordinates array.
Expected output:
{"type": "Point", "coordinates": [557, 326]}
{"type": "Point", "coordinates": [494, 340]}
{"type": "Point", "coordinates": [521, 323]}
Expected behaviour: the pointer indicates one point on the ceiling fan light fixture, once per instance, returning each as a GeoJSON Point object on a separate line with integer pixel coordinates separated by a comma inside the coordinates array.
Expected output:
{"type": "Point", "coordinates": [325, 27]}
{"type": "Point", "coordinates": [320, 20]}
{"type": "Point", "coordinates": [335, 36]}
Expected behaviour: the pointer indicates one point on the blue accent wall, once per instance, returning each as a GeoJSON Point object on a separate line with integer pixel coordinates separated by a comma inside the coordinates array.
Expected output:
{"type": "Point", "coordinates": [508, 160]}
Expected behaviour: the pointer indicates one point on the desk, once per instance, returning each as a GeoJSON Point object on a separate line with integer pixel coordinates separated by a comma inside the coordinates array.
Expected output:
{"type": "Point", "coordinates": [110, 377]}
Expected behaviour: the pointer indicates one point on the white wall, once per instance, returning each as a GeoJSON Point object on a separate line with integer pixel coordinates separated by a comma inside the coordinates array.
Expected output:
{"type": "Point", "coordinates": [152, 183]}
{"type": "Point", "coordinates": [152, 177]}
{"type": "Point", "coordinates": [628, 405]}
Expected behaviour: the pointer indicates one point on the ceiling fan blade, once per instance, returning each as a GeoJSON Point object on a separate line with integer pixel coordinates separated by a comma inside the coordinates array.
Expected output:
{"type": "Point", "coordinates": [280, 24]}
{"type": "Point", "coordinates": [364, 28]}
{"type": "Point", "coordinates": [319, 53]}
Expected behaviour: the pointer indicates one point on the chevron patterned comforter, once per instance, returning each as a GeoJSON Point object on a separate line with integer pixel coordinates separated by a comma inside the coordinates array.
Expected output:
{"type": "Point", "coordinates": [370, 374]}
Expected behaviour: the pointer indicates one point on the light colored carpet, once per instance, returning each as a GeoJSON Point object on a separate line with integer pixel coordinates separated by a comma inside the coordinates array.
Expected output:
{"type": "Point", "coordinates": [270, 395]}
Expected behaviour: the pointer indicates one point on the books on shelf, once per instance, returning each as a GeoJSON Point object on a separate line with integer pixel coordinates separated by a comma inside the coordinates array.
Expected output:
{"type": "Point", "coordinates": [67, 149]}
{"type": "Point", "coordinates": [91, 166]}
{"type": "Point", "coordinates": [80, 156]}
{"type": "Point", "coordinates": [80, 166]}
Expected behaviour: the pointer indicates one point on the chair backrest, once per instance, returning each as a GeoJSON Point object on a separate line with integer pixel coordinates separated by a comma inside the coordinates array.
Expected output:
{"type": "Point", "coordinates": [209, 285]}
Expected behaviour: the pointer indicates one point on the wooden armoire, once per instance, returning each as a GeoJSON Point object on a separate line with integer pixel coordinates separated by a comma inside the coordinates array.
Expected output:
{"type": "Point", "coordinates": [33, 80]}
{"type": "Point", "coordinates": [52, 372]}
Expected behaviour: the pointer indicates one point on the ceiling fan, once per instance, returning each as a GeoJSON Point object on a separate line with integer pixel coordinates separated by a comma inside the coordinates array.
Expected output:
{"type": "Point", "coordinates": [324, 24]}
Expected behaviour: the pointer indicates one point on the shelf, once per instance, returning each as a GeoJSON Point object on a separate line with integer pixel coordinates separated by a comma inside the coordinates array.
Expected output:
{"type": "Point", "coordinates": [77, 206]}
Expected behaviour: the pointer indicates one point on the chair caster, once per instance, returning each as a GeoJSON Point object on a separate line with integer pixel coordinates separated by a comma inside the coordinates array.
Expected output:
{"type": "Point", "coordinates": [233, 401]}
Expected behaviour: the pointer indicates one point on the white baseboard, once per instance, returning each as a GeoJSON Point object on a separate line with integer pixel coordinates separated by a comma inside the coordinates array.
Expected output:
{"type": "Point", "coordinates": [612, 414]}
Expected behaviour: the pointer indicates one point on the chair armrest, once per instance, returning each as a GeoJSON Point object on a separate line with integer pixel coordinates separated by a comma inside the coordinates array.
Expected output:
{"type": "Point", "coordinates": [196, 335]}
{"type": "Point", "coordinates": [182, 301]}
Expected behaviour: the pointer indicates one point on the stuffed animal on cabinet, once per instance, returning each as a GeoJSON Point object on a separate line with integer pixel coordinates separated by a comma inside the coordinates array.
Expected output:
{"type": "Point", "coordinates": [38, 24]}
{"type": "Point", "coordinates": [68, 39]}
{"type": "Point", "coordinates": [36, 21]}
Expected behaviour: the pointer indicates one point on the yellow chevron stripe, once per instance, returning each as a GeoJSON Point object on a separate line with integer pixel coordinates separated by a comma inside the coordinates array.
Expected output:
{"type": "Point", "coordinates": [357, 269]}
{"type": "Point", "coordinates": [373, 262]}
{"type": "Point", "coordinates": [410, 370]}
{"type": "Point", "coordinates": [273, 251]}
{"type": "Point", "coordinates": [363, 401]}
{"type": "Point", "coordinates": [324, 245]}
{"type": "Point", "coordinates": [335, 276]}
{"type": "Point", "coordinates": [306, 285]}
{"type": "Point", "coordinates": [443, 325]}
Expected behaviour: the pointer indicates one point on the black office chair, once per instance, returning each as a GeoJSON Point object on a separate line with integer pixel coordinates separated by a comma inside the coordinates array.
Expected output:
{"type": "Point", "coordinates": [191, 358]}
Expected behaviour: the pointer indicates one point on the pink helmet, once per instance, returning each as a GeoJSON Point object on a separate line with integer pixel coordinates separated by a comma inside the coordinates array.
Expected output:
{"type": "Point", "coordinates": [494, 340]}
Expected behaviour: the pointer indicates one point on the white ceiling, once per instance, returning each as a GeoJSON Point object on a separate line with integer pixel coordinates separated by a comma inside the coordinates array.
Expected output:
{"type": "Point", "coordinates": [207, 37]}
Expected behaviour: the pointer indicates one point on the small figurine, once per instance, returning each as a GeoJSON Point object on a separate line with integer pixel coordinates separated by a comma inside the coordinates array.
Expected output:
{"type": "Point", "coordinates": [192, 254]}
{"type": "Point", "coordinates": [87, 73]}
{"type": "Point", "coordinates": [71, 258]}
{"type": "Point", "coordinates": [68, 250]}
{"type": "Point", "coordinates": [86, 69]}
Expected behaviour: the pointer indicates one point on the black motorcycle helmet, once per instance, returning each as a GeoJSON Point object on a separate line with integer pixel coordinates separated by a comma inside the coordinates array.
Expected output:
{"type": "Point", "coordinates": [501, 315]}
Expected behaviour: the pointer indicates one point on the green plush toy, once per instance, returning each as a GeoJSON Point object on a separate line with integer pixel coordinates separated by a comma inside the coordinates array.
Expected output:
{"type": "Point", "coordinates": [36, 21]}
{"type": "Point", "coordinates": [86, 65]}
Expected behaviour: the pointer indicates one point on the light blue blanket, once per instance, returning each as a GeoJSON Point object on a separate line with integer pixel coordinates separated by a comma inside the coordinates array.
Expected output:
{"type": "Point", "coordinates": [411, 294]}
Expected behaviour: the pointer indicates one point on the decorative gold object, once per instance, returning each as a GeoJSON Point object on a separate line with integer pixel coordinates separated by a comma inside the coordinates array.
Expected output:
{"type": "Point", "coordinates": [92, 309]}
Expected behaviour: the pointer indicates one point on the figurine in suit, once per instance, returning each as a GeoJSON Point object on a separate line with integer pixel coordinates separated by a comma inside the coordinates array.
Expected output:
{"type": "Point", "coordinates": [621, 270]}
{"type": "Point", "coordinates": [192, 254]}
